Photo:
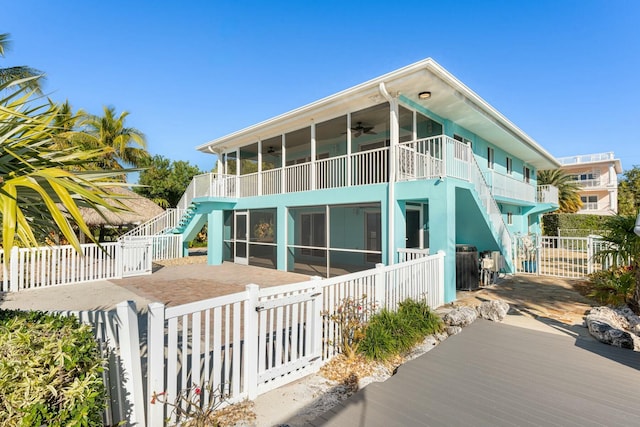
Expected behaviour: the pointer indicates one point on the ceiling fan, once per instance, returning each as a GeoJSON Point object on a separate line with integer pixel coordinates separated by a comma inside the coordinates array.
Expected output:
{"type": "Point", "coordinates": [360, 129]}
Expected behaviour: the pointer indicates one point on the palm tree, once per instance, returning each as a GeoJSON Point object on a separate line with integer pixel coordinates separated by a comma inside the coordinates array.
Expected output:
{"type": "Point", "coordinates": [622, 248]}
{"type": "Point", "coordinates": [22, 76]}
{"type": "Point", "coordinates": [64, 125]}
{"type": "Point", "coordinates": [38, 191]}
{"type": "Point", "coordinates": [123, 146]}
{"type": "Point", "coordinates": [568, 190]}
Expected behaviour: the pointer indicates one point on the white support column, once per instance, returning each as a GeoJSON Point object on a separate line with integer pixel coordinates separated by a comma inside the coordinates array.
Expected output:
{"type": "Point", "coordinates": [283, 175]}
{"type": "Point", "coordinates": [259, 167]}
{"type": "Point", "coordinates": [313, 156]}
{"type": "Point", "coordinates": [327, 220]}
{"type": "Point", "coordinates": [394, 134]}
{"type": "Point", "coordinates": [613, 178]}
{"type": "Point", "coordinates": [348, 150]}
{"type": "Point", "coordinates": [237, 172]}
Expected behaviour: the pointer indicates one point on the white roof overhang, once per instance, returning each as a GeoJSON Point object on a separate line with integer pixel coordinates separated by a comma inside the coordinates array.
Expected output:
{"type": "Point", "coordinates": [450, 99]}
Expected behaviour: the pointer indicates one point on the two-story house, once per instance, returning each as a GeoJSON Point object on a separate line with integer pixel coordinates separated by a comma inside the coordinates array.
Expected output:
{"type": "Point", "coordinates": [409, 162]}
{"type": "Point", "coordinates": [597, 177]}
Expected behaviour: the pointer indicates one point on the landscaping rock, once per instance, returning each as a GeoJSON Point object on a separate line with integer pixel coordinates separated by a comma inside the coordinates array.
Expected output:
{"type": "Point", "coordinates": [460, 316]}
{"type": "Point", "coordinates": [441, 336]}
{"type": "Point", "coordinates": [495, 310]}
{"type": "Point", "coordinates": [454, 330]}
{"type": "Point", "coordinates": [611, 326]}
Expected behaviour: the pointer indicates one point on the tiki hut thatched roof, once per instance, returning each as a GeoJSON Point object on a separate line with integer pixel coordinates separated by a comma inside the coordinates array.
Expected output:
{"type": "Point", "coordinates": [140, 208]}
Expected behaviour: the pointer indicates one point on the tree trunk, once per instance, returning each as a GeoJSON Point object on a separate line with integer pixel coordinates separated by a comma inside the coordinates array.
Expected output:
{"type": "Point", "coordinates": [635, 306]}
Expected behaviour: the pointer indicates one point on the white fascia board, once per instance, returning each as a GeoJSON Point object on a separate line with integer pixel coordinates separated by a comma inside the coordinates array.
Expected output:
{"type": "Point", "coordinates": [361, 95]}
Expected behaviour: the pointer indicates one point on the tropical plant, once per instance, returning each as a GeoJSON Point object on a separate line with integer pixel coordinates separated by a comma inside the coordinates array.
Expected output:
{"type": "Point", "coordinates": [568, 189]}
{"type": "Point", "coordinates": [39, 192]}
{"type": "Point", "coordinates": [390, 333]}
{"type": "Point", "coordinates": [195, 406]}
{"type": "Point", "coordinates": [613, 286]}
{"type": "Point", "coordinates": [122, 147]}
{"type": "Point", "coordinates": [165, 181]}
{"type": "Point", "coordinates": [51, 371]}
{"type": "Point", "coordinates": [24, 76]}
{"type": "Point", "coordinates": [351, 316]}
{"type": "Point", "coordinates": [629, 191]}
{"type": "Point", "coordinates": [622, 248]}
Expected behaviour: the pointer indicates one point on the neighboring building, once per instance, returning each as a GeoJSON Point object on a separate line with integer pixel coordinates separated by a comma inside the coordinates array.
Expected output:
{"type": "Point", "coordinates": [597, 176]}
{"type": "Point", "coordinates": [407, 162]}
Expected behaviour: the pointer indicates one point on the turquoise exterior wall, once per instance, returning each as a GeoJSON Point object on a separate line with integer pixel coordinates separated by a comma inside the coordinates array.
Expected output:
{"type": "Point", "coordinates": [453, 213]}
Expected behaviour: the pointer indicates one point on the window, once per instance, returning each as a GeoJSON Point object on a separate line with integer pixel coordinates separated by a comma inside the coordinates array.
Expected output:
{"type": "Point", "coordinates": [509, 218]}
{"type": "Point", "coordinates": [589, 203]}
{"type": "Point", "coordinates": [509, 166]}
{"type": "Point", "coordinates": [462, 139]}
{"type": "Point", "coordinates": [490, 157]}
{"type": "Point", "coordinates": [526, 174]}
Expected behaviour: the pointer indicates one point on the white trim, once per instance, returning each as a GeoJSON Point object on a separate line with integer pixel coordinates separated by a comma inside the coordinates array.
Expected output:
{"type": "Point", "coordinates": [369, 89]}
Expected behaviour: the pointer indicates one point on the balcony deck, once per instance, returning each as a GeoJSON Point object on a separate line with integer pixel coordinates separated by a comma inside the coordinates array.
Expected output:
{"type": "Point", "coordinates": [430, 158]}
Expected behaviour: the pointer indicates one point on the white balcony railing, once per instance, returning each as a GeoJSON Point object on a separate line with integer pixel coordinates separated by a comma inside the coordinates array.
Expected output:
{"type": "Point", "coordinates": [588, 158]}
{"type": "Point", "coordinates": [590, 183]}
{"type": "Point", "coordinates": [547, 194]}
{"type": "Point", "coordinates": [427, 158]}
{"type": "Point", "coordinates": [510, 187]}
{"type": "Point", "coordinates": [589, 206]}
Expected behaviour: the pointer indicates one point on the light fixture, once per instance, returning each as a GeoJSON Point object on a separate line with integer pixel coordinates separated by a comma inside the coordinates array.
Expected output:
{"type": "Point", "coordinates": [424, 95]}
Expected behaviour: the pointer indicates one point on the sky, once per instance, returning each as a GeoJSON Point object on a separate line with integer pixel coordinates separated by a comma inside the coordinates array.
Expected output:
{"type": "Point", "coordinates": [567, 72]}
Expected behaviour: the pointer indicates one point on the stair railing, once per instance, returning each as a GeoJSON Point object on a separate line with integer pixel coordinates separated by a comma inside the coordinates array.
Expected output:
{"type": "Point", "coordinates": [158, 225]}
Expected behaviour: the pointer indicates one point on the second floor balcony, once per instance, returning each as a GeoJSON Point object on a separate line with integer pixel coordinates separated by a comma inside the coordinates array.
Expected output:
{"type": "Point", "coordinates": [429, 158]}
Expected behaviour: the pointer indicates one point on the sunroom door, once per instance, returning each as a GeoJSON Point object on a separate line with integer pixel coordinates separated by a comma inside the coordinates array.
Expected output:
{"type": "Point", "coordinates": [241, 255]}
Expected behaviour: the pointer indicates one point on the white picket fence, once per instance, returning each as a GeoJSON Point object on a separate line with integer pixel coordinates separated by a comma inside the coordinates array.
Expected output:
{"type": "Point", "coordinates": [32, 268]}
{"type": "Point", "coordinates": [206, 342]}
{"type": "Point", "coordinates": [117, 334]}
{"type": "Point", "coordinates": [570, 257]}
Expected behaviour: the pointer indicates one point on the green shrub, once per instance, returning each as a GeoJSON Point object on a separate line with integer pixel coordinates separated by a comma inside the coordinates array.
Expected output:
{"type": "Point", "coordinates": [50, 371]}
{"type": "Point", "coordinates": [581, 225]}
{"type": "Point", "coordinates": [420, 316]}
{"type": "Point", "coordinates": [390, 333]}
{"type": "Point", "coordinates": [379, 342]}
{"type": "Point", "coordinates": [613, 286]}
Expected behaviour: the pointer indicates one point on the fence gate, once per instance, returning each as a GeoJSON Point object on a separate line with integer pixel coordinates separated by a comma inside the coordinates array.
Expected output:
{"type": "Point", "coordinates": [136, 256]}
{"type": "Point", "coordinates": [571, 257]}
{"type": "Point", "coordinates": [289, 331]}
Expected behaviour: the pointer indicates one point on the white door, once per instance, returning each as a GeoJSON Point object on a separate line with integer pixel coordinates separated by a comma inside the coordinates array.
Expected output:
{"type": "Point", "coordinates": [241, 255]}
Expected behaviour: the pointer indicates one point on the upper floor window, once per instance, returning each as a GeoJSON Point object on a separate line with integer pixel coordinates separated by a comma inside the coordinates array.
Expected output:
{"type": "Point", "coordinates": [509, 218]}
{"type": "Point", "coordinates": [509, 166]}
{"type": "Point", "coordinates": [526, 174]}
{"type": "Point", "coordinates": [463, 140]}
{"type": "Point", "coordinates": [490, 157]}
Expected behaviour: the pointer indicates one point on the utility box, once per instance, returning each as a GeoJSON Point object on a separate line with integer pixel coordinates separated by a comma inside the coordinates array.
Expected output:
{"type": "Point", "coordinates": [467, 268]}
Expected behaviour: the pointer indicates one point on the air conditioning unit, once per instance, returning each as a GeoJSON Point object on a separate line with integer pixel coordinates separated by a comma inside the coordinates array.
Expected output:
{"type": "Point", "coordinates": [498, 261]}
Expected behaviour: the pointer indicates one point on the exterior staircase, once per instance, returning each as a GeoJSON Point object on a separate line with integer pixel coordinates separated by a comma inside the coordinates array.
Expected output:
{"type": "Point", "coordinates": [185, 219]}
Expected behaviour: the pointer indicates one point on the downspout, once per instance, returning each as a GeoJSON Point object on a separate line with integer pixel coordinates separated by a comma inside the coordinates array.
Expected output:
{"type": "Point", "coordinates": [394, 136]}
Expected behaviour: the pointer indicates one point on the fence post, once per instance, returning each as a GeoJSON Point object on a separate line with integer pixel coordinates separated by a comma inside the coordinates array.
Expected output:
{"type": "Point", "coordinates": [589, 254]}
{"type": "Point", "coordinates": [119, 254]}
{"type": "Point", "coordinates": [155, 363]}
{"type": "Point", "coordinates": [13, 270]}
{"type": "Point", "coordinates": [378, 287]}
{"type": "Point", "coordinates": [316, 313]}
{"type": "Point", "coordinates": [130, 356]}
{"type": "Point", "coordinates": [251, 336]}
{"type": "Point", "coordinates": [440, 301]}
